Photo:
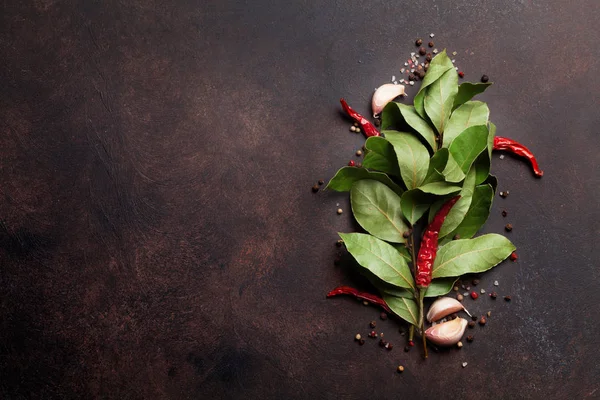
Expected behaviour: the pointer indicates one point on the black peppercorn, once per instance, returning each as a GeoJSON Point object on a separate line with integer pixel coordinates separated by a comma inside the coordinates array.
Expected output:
{"type": "Point", "coordinates": [383, 316]}
{"type": "Point", "coordinates": [493, 295]}
{"type": "Point", "coordinates": [456, 237]}
{"type": "Point", "coordinates": [411, 77]}
{"type": "Point", "coordinates": [315, 188]}
{"type": "Point", "coordinates": [471, 324]}
{"type": "Point", "coordinates": [470, 338]}
{"type": "Point", "coordinates": [508, 227]}
{"type": "Point", "coordinates": [485, 78]}
{"type": "Point", "coordinates": [419, 42]}
{"type": "Point", "coordinates": [321, 181]}
{"type": "Point", "coordinates": [422, 51]}
{"type": "Point", "coordinates": [428, 57]}
{"type": "Point", "coordinates": [361, 341]}
{"type": "Point", "coordinates": [372, 324]}
{"type": "Point", "coordinates": [507, 298]}
{"type": "Point", "coordinates": [475, 282]}
{"type": "Point", "coordinates": [504, 213]}
{"type": "Point", "coordinates": [431, 44]}
{"type": "Point", "coordinates": [377, 122]}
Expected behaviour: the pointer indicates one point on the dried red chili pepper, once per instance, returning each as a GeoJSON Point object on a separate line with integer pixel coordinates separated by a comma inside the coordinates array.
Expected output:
{"type": "Point", "coordinates": [368, 128]}
{"type": "Point", "coordinates": [502, 143]}
{"type": "Point", "coordinates": [371, 298]}
{"type": "Point", "coordinates": [429, 244]}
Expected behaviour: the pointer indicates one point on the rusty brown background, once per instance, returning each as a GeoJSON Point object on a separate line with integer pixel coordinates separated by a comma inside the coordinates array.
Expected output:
{"type": "Point", "coordinates": [158, 235]}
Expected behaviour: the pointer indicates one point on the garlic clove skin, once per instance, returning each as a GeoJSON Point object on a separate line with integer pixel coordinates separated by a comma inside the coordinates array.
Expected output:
{"type": "Point", "coordinates": [444, 306]}
{"type": "Point", "coordinates": [384, 94]}
{"type": "Point", "coordinates": [447, 333]}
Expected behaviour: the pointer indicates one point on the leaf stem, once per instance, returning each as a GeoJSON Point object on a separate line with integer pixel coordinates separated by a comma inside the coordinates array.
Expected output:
{"type": "Point", "coordinates": [422, 321]}
{"type": "Point", "coordinates": [411, 333]}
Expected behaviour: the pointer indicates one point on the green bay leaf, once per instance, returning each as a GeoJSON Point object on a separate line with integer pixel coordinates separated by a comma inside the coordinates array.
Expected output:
{"type": "Point", "coordinates": [421, 126]}
{"type": "Point", "coordinates": [379, 257]}
{"type": "Point", "coordinates": [412, 156]}
{"type": "Point", "coordinates": [405, 308]}
{"type": "Point", "coordinates": [476, 255]}
{"type": "Point", "coordinates": [381, 156]}
{"type": "Point", "coordinates": [468, 145]}
{"type": "Point", "coordinates": [452, 172]}
{"type": "Point", "coordinates": [478, 213]}
{"type": "Point", "coordinates": [439, 188]}
{"type": "Point", "coordinates": [346, 176]}
{"type": "Point", "coordinates": [414, 203]}
{"type": "Point", "coordinates": [439, 98]}
{"type": "Point", "coordinates": [468, 90]}
{"type": "Point", "coordinates": [440, 64]}
{"type": "Point", "coordinates": [377, 209]}
{"type": "Point", "coordinates": [458, 212]}
{"type": "Point", "coordinates": [440, 287]}
{"type": "Point", "coordinates": [469, 114]}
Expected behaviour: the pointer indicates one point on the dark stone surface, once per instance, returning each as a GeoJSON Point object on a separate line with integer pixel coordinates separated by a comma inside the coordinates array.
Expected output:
{"type": "Point", "coordinates": [159, 237]}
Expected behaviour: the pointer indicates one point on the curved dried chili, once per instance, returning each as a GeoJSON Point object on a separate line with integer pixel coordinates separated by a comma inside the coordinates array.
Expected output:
{"type": "Point", "coordinates": [371, 298]}
{"type": "Point", "coordinates": [512, 146]}
{"type": "Point", "coordinates": [429, 245]}
{"type": "Point", "coordinates": [368, 128]}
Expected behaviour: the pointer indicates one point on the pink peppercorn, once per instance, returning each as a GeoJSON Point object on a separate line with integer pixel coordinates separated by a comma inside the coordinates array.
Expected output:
{"type": "Point", "coordinates": [351, 163]}
{"type": "Point", "coordinates": [474, 295]}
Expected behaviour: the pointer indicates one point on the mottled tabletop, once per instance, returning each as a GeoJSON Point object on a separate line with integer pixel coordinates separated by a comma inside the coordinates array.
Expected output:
{"type": "Point", "coordinates": [158, 234]}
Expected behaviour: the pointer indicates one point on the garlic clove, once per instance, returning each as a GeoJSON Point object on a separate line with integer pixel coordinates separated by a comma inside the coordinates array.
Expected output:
{"type": "Point", "coordinates": [447, 333]}
{"type": "Point", "coordinates": [444, 306]}
{"type": "Point", "coordinates": [384, 94]}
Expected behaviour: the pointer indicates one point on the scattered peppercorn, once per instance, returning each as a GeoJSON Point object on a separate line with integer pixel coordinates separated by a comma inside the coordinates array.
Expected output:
{"type": "Point", "coordinates": [358, 153]}
{"type": "Point", "coordinates": [419, 42]}
{"type": "Point", "coordinates": [411, 77]}
{"type": "Point", "coordinates": [430, 44]}
{"type": "Point", "coordinates": [339, 243]}
{"type": "Point", "coordinates": [470, 338]}
{"type": "Point", "coordinates": [352, 128]}
{"type": "Point", "coordinates": [460, 297]}
{"type": "Point", "coordinates": [359, 165]}
{"type": "Point", "coordinates": [389, 346]}
{"type": "Point", "coordinates": [507, 298]}
{"type": "Point", "coordinates": [383, 316]}
{"type": "Point", "coordinates": [426, 66]}
{"type": "Point", "coordinates": [428, 58]}
{"type": "Point", "coordinates": [377, 122]}
{"type": "Point", "coordinates": [471, 324]}
{"type": "Point", "coordinates": [461, 74]}
{"type": "Point", "coordinates": [475, 282]}
{"type": "Point", "coordinates": [411, 343]}
{"type": "Point", "coordinates": [485, 78]}
{"type": "Point", "coordinates": [504, 194]}
{"type": "Point", "coordinates": [455, 288]}
{"type": "Point", "coordinates": [357, 337]}
{"type": "Point", "coordinates": [514, 256]}
{"type": "Point", "coordinates": [456, 237]}
{"type": "Point", "coordinates": [351, 163]}
{"type": "Point", "coordinates": [422, 51]}
{"type": "Point", "coordinates": [315, 188]}
{"type": "Point", "coordinates": [373, 334]}
{"type": "Point", "coordinates": [493, 295]}
{"type": "Point", "coordinates": [421, 74]}
{"type": "Point", "coordinates": [489, 314]}
{"type": "Point", "coordinates": [361, 341]}
{"type": "Point", "coordinates": [382, 343]}
{"type": "Point", "coordinates": [482, 321]}
{"type": "Point", "coordinates": [372, 324]}
{"type": "Point", "coordinates": [504, 213]}
{"type": "Point", "coordinates": [459, 344]}
{"type": "Point", "coordinates": [474, 295]}
{"type": "Point", "coordinates": [339, 211]}
{"type": "Point", "coordinates": [405, 234]}
{"type": "Point", "coordinates": [400, 368]}
{"type": "Point", "coordinates": [508, 227]}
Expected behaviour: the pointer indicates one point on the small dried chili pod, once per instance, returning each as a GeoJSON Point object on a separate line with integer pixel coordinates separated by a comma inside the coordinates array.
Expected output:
{"type": "Point", "coordinates": [447, 333]}
{"type": "Point", "coordinates": [429, 244]}
{"type": "Point", "coordinates": [371, 298]}
{"type": "Point", "coordinates": [444, 306]}
{"type": "Point", "coordinates": [368, 128]}
{"type": "Point", "coordinates": [512, 146]}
